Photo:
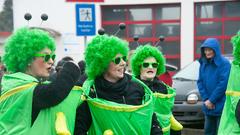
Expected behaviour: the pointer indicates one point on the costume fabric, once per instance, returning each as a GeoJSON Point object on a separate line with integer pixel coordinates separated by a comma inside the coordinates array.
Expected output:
{"type": "Point", "coordinates": [17, 99]}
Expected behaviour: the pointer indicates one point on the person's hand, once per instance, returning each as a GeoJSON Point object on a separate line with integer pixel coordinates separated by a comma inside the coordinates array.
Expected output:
{"type": "Point", "coordinates": [209, 105]}
{"type": "Point", "coordinates": [72, 69]}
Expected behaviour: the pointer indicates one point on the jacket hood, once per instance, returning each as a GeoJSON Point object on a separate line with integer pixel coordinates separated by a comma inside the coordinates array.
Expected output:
{"type": "Point", "coordinates": [213, 44]}
{"type": "Point", "coordinates": [10, 81]}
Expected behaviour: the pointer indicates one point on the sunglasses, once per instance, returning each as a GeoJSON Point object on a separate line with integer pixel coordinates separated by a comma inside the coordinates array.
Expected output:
{"type": "Point", "coordinates": [117, 60]}
{"type": "Point", "coordinates": [147, 64]}
{"type": "Point", "coordinates": [46, 56]}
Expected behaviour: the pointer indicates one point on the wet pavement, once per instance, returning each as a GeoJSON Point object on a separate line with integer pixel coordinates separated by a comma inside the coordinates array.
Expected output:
{"type": "Point", "coordinates": [193, 129]}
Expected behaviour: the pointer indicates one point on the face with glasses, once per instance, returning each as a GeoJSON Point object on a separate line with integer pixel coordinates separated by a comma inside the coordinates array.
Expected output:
{"type": "Point", "coordinates": [42, 63]}
{"type": "Point", "coordinates": [148, 69]}
{"type": "Point", "coordinates": [116, 68]}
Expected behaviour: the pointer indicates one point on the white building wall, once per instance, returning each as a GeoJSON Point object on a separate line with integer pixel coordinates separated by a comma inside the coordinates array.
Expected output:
{"type": "Point", "coordinates": [62, 19]}
{"type": "Point", "coordinates": [187, 32]}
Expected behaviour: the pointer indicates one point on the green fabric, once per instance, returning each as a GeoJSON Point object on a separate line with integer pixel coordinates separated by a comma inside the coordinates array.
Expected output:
{"type": "Point", "coordinates": [121, 119]}
{"type": "Point", "coordinates": [163, 107]}
{"type": "Point", "coordinates": [228, 124]}
{"type": "Point", "coordinates": [16, 110]}
{"type": "Point", "coordinates": [10, 81]}
{"type": "Point", "coordinates": [45, 122]}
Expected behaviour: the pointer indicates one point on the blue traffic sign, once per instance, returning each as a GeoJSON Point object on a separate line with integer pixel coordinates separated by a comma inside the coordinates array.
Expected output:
{"type": "Point", "coordinates": [85, 19]}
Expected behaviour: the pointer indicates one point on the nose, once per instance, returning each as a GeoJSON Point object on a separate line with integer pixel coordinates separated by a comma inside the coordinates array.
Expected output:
{"type": "Point", "coordinates": [123, 63]}
{"type": "Point", "coordinates": [150, 66]}
{"type": "Point", "coordinates": [51, 61]}
{"type": "Point", "coordinates": [207, 51]}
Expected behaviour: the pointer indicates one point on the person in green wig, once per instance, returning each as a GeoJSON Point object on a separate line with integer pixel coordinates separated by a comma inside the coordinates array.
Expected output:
{"type": "Point", "coordinates": [230, 119]}
{"type": "Point", "coordinates": [117, 103]}
{"type": "Point", "coordinates": [147, 63]}
{"type": "Point", "coordinates": [29, 106]}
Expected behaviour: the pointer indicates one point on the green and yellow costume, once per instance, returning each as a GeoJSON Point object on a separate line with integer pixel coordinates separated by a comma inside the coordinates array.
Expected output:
{"type": "Point", "coordinates": [17, 90]}
{"type": "Point", "coordinates": [110, 117]}
{"type": "Point", "coordinates": [16, 109]}
{"type": "Point", "coordinates": [120, 119]}
{"type": "Point", "coordinates": [163, 103]}
{"type": "Point", "coordinates": [228, 124]}
{"type": "Point", "coordinates": [163, 107]}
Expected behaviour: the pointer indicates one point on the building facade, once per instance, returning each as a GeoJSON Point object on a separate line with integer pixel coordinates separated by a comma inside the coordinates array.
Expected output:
{"type": "Point", "coordinates": [185, 24]}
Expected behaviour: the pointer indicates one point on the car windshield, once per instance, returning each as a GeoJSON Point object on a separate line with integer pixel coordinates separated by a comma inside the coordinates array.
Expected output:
{"type": "Point", "coordinates": [190, 72]}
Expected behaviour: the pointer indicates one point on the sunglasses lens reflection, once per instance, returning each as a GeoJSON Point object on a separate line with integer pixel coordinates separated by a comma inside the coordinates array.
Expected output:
{"type": "Point", "coordinates": [124, 58]}
{"type": "Point", "coordinates": [47, 57]}
{"type": "Point", "coordinates": [117, 60]}
{"type": "Point", "coordinates": [53, 57]}
{"type": "Point", "coordinates": [154, 65]}
{"type": "Point", "coordinates": [145, 65]}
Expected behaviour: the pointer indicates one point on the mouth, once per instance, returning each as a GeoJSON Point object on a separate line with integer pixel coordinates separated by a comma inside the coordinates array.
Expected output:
{"type": "Point", "coordinates": [150, 72]}
{"type": "Point", "coordinates": [49, 69]}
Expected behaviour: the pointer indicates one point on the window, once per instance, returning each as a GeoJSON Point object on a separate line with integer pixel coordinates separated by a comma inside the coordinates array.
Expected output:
{"type": "Point", "coordinates": [148, 22]}
{"type": "Point", "coordinates": [219, 20]}
{"type": "Point", "coordinates": [136, 14]}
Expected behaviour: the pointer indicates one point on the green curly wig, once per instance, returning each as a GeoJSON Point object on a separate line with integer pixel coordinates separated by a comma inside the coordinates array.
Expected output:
{"type": "Point", "coordinates": [236, 47]}
{"type": "Point", "coordinates": [100, 52]}
{"type": "Point", "coordinates": [22, 45]}
{"type": "Point", "coordinates": [143, 52]}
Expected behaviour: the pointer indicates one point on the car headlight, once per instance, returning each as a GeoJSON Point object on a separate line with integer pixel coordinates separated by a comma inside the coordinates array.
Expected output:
{"type": "Point", "coordinates": [192, 98]}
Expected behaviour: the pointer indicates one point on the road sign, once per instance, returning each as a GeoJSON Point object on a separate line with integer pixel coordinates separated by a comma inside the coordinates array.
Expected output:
{"type": "Point", "coordinates": [85, 19]}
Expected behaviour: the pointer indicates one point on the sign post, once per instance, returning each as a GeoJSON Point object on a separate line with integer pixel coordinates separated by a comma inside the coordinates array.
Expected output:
{"type": "Point", "coordinates": [85, 20]}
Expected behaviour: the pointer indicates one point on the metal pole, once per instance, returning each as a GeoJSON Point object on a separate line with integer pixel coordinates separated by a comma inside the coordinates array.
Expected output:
{"type": "Point", "coordinates": [85, 42]}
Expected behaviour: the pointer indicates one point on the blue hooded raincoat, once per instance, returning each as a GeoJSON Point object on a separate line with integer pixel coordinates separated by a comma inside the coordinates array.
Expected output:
{"type": "Point", "coordinates": [213, 77]}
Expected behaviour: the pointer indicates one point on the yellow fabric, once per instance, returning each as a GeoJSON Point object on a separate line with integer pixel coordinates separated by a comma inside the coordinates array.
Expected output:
{"type": "Point", "coordinates": [127, 108]}
{"type": "Point", "coordinates": [108, 132]}
{"type": "Point", "coordinates": [175, 125]}
{"type": "Point", "coordinates": [77, 88]}
{"type": "Point", "coordinates": [232, 93]}
{"type": "Point", "coordinates": [166, 129]}
{"type": "Point", "coordinates": [16, 90]}
{"type": "Point", "coordinates": [61, 125]}
{"type": "Point", "coordinates": [160, 95]}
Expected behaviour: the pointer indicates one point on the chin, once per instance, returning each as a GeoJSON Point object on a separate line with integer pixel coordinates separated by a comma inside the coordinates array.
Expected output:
{"type": "Point", "coordinates": [209, 57]}
{"type": "Point", "coordinates": [150, 77]}
{"type": "Point", "coordinates": [45, 75]}
{"type": "Point", "coordinates": [121, 76]}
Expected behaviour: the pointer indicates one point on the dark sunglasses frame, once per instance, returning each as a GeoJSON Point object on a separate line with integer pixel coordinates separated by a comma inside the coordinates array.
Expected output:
{"type": "Point", "coordinates": [147, 64]}
{"type": "Point", "coordinates": [46, 56]}
{"type": "Point", "coordinates": [117, 60]}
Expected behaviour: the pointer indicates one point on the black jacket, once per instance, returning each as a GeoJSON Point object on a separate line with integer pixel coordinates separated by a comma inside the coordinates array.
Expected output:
{"type": "Point", "coordinates": [156, 85]}
{"type": "Point", "coordinates": [48, 95]}
{"type": "Point", "coordinates": [125, 91]}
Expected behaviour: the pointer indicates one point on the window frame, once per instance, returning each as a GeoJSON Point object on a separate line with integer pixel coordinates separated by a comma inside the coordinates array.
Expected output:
{"type": "Point", "coordinates": [222, 38]}
{"type": "Point", "coordinates": [154, 22]}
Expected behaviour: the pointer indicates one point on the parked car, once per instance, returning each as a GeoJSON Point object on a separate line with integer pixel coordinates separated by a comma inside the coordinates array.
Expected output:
{"type": "Point", "coordinates": [188, 103]}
